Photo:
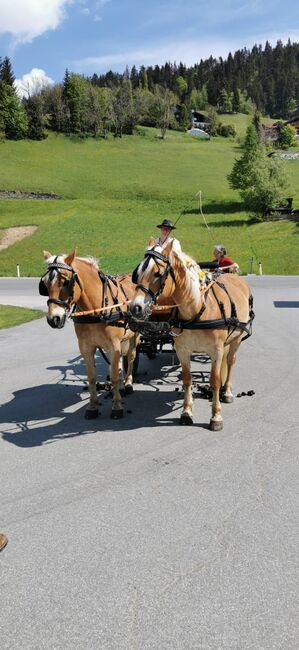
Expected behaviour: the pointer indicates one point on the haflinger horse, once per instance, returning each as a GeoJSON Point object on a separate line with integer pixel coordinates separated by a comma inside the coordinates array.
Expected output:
{"type": "Point", "coordinates": [97, 303]}
{"type": "Point", "coordinates": [212, 315]}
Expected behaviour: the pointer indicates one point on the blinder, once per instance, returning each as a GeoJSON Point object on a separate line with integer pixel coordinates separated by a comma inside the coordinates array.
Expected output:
{"type": "Point", "coordinates": [43, 289]}
{"type": "Point", "coordinates": [155, 255]}
{"type": "Point", "coordinates": [135, 275]}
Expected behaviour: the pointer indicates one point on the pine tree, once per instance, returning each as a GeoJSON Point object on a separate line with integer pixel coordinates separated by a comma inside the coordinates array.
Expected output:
{"type": "Point", "coordinates": [75, 97]}
{"type": "Point", "coordinates": [236, 100]}
{"type": "Point", "coordinates": [260, 179]}
{"type": "Point", "coordinates": [6, 72]}
{"type": "Point", "coordinates": [257, 123]}
{"type": "Point", "coordinates": [13, 115]}
{"type": "Point", "coordinates": [36, 121]}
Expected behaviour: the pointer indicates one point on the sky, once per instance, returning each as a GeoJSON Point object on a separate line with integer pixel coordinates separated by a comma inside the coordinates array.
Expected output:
{"type": "Point", "coordinates": [44, 37]}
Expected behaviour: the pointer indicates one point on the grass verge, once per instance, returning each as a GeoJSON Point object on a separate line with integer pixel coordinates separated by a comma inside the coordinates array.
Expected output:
{"type": "Point", "coordinates": [11, 316]}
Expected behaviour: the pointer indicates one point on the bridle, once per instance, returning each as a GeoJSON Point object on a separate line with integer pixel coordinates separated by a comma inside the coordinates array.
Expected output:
{"type": "Point", "coordinates": [156, 256]}
{"type": "Point", "coordinates": [70, 284]}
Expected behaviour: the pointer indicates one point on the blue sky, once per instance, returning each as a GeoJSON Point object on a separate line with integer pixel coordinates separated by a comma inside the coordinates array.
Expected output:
{"type": "Point", "coordinates": [90, 36]}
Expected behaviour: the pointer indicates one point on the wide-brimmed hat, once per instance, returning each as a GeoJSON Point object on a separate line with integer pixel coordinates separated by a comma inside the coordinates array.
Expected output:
{"type": "Point", "coordinates": [167, 223]}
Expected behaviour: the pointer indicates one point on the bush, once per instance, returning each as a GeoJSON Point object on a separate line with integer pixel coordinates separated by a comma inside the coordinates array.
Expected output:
{"type": "Point", "coordinates": [226, 130]}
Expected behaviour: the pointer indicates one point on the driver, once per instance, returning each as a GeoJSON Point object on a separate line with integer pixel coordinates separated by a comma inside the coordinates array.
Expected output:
{"type": "Point", "coordinates": [165, 238]}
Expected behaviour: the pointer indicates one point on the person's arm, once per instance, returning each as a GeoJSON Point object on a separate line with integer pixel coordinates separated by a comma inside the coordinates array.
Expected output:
{"type": "Point", "coordinates": [232, 268]}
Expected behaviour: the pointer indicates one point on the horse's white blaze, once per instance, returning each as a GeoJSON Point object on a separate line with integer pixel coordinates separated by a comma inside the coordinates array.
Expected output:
{"type": "Point", "coordinates": [57, 311]}
{"type": "Point", "coordinates": [139, 301]}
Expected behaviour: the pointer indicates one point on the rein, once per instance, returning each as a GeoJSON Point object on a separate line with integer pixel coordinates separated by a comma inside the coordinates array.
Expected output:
{"type": "Point", "coordinates": [100, 309]}
{"type": "Point", "coordinates": [231, 322]}
{"type": "Point", "coordinates": [87, 316]}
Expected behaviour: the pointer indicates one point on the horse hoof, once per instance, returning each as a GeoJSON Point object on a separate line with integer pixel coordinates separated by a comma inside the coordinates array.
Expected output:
{"type": "Point", "coordinates": [227, 399]}
{"type": "Point", "coordinates": [129, 389]}
{"type": "Point", "coordinates": [215, 425]}
{"type": "Point", "coordinates": [186, 419]}
{"type": "Point", "coordinates": [91, 414]}
{"type": "Point", "coordinates": [117, 414]}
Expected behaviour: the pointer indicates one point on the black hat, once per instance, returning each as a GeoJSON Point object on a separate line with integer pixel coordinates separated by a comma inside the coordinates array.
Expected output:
{"type": "Point", "coordinates": [166, 223]}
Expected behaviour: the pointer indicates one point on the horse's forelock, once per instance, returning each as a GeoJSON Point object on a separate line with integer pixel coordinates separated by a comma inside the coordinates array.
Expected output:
{"type": "Point", "coordinates": [61, 258]}
{"type": "Point", "coordinates": [146, 265]}
{"type": "Point", "coordinates": [56, 258]}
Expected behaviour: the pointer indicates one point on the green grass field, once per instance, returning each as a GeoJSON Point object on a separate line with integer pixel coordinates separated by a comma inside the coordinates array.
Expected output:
{"type": "Point", "coordinates": [11, 316]}
{"type": "Point", "coordinates": [114, 192]}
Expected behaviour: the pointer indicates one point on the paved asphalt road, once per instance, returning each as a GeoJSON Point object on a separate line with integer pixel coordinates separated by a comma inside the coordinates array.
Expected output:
{"type": "Point", "coordinates": [141, 534]}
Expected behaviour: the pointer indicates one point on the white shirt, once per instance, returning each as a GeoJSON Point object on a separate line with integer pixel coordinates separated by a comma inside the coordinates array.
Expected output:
{"type": "Point", "coordinates": [176, 246]}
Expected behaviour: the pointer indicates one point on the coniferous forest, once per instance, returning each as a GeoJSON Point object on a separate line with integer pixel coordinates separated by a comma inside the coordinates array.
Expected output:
{"type": "Point", "coordinates": [263, 79]}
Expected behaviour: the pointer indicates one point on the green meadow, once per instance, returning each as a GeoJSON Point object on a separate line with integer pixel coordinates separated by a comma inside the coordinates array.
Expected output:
{"type": "Point", "coordinates": [114, 192]}
{"type": "Point", "coordinates": [11, 316]}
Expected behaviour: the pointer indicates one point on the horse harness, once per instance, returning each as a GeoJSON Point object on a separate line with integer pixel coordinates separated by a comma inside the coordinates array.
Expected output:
{"type": "Point", "coordinates": [70, 284]}
{"type": "Point", "coordinates": [155, 255]}
{"type": "Point", "coordinates": [109, 284]}
{"type": "Point", "coordinates": [230, 322]}
{"type": "Point", "coordinates": [116, 318]}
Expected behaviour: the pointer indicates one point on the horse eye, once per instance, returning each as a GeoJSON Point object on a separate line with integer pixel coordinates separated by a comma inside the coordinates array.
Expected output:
{"type": "Point", "coordinates": [66, 283]}
{"type": "Point", "coordinates": [158, 274]}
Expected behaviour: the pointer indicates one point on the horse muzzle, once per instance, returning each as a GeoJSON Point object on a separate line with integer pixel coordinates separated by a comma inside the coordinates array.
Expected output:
{"type": "Point", "coordinates": [57, 322]}
{"type": "Point", "coordinates": [140, 309]}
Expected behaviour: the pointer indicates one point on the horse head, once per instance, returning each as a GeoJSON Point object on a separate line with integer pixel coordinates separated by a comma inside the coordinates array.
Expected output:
{"type": "Point", "coordinates": [62, 286]}
{"type": "Point", "coordinates": [154, 278]}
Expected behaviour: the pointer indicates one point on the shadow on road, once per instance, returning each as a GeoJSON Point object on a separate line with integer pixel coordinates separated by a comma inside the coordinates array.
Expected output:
{"type": "Point", "coordinates": [54, 411]}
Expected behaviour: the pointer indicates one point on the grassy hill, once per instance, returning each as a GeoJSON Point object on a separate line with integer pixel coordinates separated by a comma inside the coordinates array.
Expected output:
{"type": "Point", "coordinates": [113, 193]}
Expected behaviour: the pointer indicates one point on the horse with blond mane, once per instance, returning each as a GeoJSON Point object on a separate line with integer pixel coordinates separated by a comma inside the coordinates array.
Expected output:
{"type": "Point", "coordinates": [98, 304]}
{"type": "Point", "coordinates": [211, 316]}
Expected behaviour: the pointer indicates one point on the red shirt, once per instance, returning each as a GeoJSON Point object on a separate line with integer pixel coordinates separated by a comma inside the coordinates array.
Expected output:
{"type": "Point", "coordinates": [225, 261]}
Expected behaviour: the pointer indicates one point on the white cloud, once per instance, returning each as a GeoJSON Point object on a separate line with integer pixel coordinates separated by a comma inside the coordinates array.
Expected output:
{"type": "Point", "coordinates": [27, 19]}
{"type": "Point", "coordinates": [32, 82]}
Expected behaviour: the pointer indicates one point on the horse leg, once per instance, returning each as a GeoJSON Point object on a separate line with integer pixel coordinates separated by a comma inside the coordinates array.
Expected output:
{"type": "Point", "coordinates": [227, 394]}
{"type": "Point", "coordinates": [216, 422]}
{"type": "Point", "coordinates": [131, 356]}
{"type": "Point", "coordinates": [88, 354]}
{"type": "Point", "coordinates": [117, 407]}
{"type": "Point", "coordinates": [185, 361]}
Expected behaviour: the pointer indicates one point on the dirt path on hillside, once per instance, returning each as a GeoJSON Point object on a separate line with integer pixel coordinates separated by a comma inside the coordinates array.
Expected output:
{"type": "Point", "coordinates": [12, 235]}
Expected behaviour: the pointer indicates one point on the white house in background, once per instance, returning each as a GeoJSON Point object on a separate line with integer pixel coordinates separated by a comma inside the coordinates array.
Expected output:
{"type": "Point", "coordinates": [200, 120]}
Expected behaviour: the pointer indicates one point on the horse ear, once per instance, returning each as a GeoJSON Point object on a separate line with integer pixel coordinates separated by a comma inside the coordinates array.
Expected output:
{"type": "Point", "coordinates": [152, 242]}
{"type": "Point", "coordinates": [46, 255]}
{"type": "Point", "coordinates": [70, 258]}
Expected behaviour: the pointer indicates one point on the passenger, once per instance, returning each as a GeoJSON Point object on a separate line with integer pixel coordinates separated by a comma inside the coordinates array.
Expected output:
{"type": "Point", "coordinates": [165, 236]}
{"type": "Point", "coordinates": [226, 263]}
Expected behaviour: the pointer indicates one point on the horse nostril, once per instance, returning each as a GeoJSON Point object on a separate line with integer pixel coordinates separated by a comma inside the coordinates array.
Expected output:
{"type": "Point", "coordinates": [136, 310]}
